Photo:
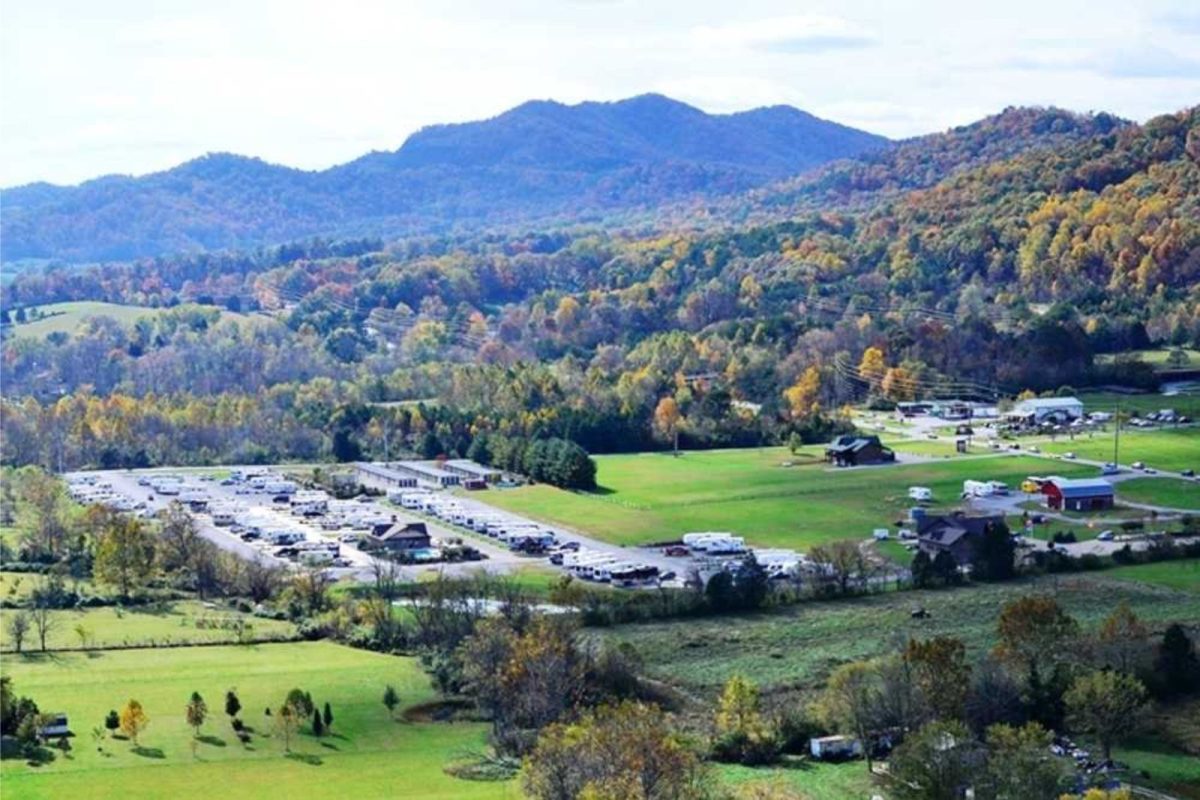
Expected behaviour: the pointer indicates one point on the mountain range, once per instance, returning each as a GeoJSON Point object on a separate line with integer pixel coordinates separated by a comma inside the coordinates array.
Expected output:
{"type": "Point", "coordinates": [540, 160]}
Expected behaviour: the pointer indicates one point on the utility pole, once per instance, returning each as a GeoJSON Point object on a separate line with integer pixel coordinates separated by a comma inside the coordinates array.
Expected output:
{"type": "Point", "coordinates": [1117, 434]}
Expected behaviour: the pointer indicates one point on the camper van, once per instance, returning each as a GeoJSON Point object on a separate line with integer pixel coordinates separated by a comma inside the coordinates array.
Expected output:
{"type": "Point", "coordinates": [222, 518]}
{"type": "Point", "coordinates": [977, 489]}
{"type": "Point", "coordinates": [921, 494]}
{"type": "Point", "coordinates": [279, 487]}
{"type": "Point", "coordinates": [284, 538]}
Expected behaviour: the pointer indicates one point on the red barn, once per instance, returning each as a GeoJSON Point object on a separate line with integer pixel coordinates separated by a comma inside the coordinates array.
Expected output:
{"type": "Point", "coordinates": [1087, 494]}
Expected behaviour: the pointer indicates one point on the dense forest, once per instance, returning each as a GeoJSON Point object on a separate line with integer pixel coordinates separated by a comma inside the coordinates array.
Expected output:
{"type": "Point", "coordinates": [985, 261]}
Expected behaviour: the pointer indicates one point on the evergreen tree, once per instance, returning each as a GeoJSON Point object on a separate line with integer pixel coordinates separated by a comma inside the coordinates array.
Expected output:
{"type": "Point", "coordinates": [992, 558]}
{"type": "Point", "coordinates": [922, 570]}
{"type": "Point", "coordinates": [1177, 669]}
{"type": "Point", "coordinates": [318, 726]}
{"type": "Point", "coordinates": [328, 718]}
{"type": "Point", "coordinates": [945, 569]}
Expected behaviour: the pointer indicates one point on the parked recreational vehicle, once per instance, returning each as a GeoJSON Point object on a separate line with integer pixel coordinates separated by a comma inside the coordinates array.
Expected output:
{"type": "Point", "coordinates": [222, 518]}
{"type": "Point", "coordinates": [279, 487]}
{"type": "Point", "coordinates": [920, 493]}
{"type": "Point", "coordinates": [977, 489]}
{"type": "Point", "coordinates": [731, 546]}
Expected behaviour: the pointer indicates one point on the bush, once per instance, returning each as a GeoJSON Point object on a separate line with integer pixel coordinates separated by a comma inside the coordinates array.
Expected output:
{"type": "Point", "coordinates": [737, 747]}
{"type": "Point", "coordinates": [794, 729]}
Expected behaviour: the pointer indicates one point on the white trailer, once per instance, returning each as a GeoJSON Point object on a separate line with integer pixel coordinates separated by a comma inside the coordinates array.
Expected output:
{"type": "Point", "coordinates": [978, 489]}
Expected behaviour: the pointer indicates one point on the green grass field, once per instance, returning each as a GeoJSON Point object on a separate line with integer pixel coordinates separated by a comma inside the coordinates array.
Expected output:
{"type": "Point", "coordinates": [815, 780]}
{"type": "Point", "coordinates": [19, 585]}
{"type": "Point", "coordinates": [795, 647]}
{"type": "Point", "coordinates": [172, 623]}
{"type": "Point", "coordinates": [66, 317]}
{"type": "Point", "coordinates": [1187, 403]}
{"type": "Point", "coordinates": [369, 755]}
{"type": "Point", "coordinates": [1183, 575]}
{"type": "Point", "coordinates": [1157, 357]}
{"type": "Point", "coordinates": [1170, 492]}
{"type": "Point", "coordinates": [1170, 449]}
{"type": "Point", "coordinates": [655, 497]}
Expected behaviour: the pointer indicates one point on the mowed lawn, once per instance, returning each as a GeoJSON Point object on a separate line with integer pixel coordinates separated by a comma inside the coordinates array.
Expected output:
{"type": "Point", "coordinates": [1171, 449]}
{"type": "Point", "coordinates": [171, 623]}
{"type": "Point", "coordinates": [1171, 492]}
{"type": "Point", "coordinates": [368, 756]}
{"type": "Point", "coordinates": [655, 497]}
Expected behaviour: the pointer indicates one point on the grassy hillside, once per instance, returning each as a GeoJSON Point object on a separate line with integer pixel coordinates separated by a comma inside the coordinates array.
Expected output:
{"type": "Point", "coordinates": [797, 646]}
{"type": "Point", "coordinates": [369, 755]}
{"type": "Point", "coordinates": [654, 497]}
{"type": "Point", "coordinates": [66, 317]}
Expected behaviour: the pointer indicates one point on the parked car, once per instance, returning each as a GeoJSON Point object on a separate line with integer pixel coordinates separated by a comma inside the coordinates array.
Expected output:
{"type": "Point", "coordinates": [1109, 468]}
{"type": "Point", "coordinates": [1033, 448]}
{"type": "Point", "coordinates": [676, 550]}
{"type": "Point", "coordinates": [1105, 536]}
{"type": "Point", "coordinates": [1138, 465]}
{"type": "Point", "coordinates": [1188, 473]}
{"type": "Point", "coordinates": [1151, 471]}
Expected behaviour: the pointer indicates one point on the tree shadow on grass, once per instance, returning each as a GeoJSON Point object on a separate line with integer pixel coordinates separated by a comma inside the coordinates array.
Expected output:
{"type": "Point", "coordinates": [149, 752]}
{"type": "Point", "coordinates": [208, 738]}
{"type": "Point", "coordinates": [41, 657]}
{"type": "Point", "coordinates": [330, 746]}
{"type": "Point", "coordinates": [306, 758]}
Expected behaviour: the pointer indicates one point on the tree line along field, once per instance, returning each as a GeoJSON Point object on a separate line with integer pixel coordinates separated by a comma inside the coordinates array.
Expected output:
{"type": "Point", "coordinates": [653, 497]}
{"type": "Point", "coordinates": [157, 624]}
{"type": "Point", "coordinates": [368, 754]}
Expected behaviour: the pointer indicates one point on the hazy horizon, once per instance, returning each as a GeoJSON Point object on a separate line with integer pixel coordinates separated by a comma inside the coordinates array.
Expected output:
{"type": "Point", "coordinates": [138, 89]}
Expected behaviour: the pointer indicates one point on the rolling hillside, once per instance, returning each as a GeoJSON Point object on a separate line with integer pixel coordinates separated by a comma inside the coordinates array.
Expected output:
{"type": "Point", "coordinates": [537, 160]}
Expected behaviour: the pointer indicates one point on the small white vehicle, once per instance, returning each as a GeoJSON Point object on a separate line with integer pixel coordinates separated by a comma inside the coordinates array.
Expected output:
{"type": "Point", "coordinates": [920, 493]}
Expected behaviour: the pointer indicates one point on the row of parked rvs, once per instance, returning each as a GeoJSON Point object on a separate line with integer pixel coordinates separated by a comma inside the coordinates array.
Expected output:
{"type": "Point", "coordinates": [517, 534]}
{"type": "Point", "coordinates": [529, 537]}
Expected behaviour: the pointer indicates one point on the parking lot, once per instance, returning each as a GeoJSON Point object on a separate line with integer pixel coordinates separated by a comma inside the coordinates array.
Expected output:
{"type": "Point", "coordinates": [259, 513]}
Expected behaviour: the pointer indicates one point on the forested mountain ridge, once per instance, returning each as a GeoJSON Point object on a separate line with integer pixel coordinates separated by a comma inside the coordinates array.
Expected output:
{"type": "Point", "coordinates": [923, 161]}
{"type": "Point", "coordinates": [539, 159]}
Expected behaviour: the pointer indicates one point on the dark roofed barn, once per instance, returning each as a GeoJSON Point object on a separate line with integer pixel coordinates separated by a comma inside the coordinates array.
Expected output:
{"type": "Point", "coordinates": [956, 533]}
{"type": "Point", "coordinates": [854, 451]}
{"type": "Point", "coordinates": [401, 537]}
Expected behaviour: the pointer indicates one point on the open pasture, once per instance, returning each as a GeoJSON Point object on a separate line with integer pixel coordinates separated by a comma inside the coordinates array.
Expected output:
{"type": "Point", "coordinates": [171, 623]}
{"type": "Point", "coordinates": [655, 497]}
{"type": "Point", "coordinates": [369, 754]}
{"type": "Point", "coordinates": [1171, 449]}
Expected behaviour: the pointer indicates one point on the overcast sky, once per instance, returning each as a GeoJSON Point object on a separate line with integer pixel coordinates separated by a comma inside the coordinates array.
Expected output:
{"type": "Point", "coordinates": [91, 87]}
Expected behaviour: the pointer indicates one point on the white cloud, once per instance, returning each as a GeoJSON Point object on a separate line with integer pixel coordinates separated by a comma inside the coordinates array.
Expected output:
{"type": "Point", "coordinates": [795, 33]}
{"type": "Point", "coordinates": [135, 85]}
